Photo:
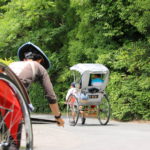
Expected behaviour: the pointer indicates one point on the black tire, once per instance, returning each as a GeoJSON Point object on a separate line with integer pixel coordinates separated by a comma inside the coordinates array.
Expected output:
{"type": "Point", "coordinates": [73, 110]}
{"type": "Point", "coordinates": [24, 137]}
{"type": "Point", "coordinates": [103, 111]}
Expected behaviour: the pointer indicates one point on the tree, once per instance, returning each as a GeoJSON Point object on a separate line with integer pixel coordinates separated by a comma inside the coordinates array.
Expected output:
{"type": "Point", "coordinates": [112, 32]}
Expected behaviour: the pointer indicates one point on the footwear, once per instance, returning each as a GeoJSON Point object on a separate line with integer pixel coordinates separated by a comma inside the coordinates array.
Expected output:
{"type": "Point", "coordinates": [12, 147]}
{"type": "Point", "coordinates": [72, 123]}
{"type": "Point", "coordinates": [83, 120]}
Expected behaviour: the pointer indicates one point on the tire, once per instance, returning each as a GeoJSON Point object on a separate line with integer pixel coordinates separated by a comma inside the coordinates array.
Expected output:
{"type": "Point", "coordinates": [103, 111]}
{"type": "Point", "coordinates": [15, 124]}
{"type": "Point", "coordinates": [72, 110]}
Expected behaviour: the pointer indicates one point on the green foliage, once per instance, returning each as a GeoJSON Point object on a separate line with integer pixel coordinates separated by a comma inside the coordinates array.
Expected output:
{"type": "Point", "coordinates": [129, 87]}
{"type": "Point", "coordinates": [116, 33]}
{"type": "Point", "coordinates": [29, 20]}
{"type": "Point", "coordinates": [111, 32]}
{"type": "Point", "coordinates": [36, 95]}
{"type": "Point", "coordinates": [6, 61]}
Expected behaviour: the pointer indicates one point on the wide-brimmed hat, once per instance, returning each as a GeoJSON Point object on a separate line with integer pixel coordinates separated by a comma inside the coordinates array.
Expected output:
{"type": "Point", "coordinates": [30, 47]}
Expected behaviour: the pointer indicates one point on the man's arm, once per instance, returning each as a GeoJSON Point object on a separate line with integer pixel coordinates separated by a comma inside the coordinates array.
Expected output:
{"type": "Point", "coordinates": [57, 114]}
{"type": "Point", "coordinates": [50, 95]}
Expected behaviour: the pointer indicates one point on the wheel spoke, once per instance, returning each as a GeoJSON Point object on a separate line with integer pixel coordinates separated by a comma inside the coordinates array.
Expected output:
{"type": "Point", "coordinates": [72, 110]}
{"type": "Point", "coordinates": [104, 111]}
{"type": "Point", "coordinates": [15, 125]}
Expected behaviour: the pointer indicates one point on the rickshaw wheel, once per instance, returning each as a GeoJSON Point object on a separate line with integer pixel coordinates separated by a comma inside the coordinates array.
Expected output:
{"type": "Point", "coordinates": [103, 111]}
{"type": "Point", "coordinates": [15, 125]}
{"type": "Point", "coordinates": [73, 110]}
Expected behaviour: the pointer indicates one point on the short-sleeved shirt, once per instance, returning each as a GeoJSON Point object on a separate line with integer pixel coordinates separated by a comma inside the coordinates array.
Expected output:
{"type": "Point", "coordinates": [71, 91]}
{"type": "Point", "coordinates": [31, 71]}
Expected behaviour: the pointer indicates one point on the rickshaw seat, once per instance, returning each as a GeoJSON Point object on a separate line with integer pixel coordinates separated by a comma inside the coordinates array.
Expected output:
{"type": "Point", "coordinates": [93, 90]}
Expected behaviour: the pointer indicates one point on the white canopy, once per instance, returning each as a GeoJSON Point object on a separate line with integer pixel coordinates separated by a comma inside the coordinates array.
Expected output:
{"type": "Point", "coordinates": [89, 67]}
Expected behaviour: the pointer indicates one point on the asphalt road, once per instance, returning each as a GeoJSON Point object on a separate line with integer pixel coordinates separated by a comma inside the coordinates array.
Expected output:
{"type": "Point", "coordinates": [91, 136]}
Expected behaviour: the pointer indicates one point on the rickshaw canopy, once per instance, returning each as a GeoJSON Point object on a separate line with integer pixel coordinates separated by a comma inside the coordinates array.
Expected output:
{"type": "Point", "coordinates": [90, 67]}
{"type": "Point", "coordinates": [85, 69]}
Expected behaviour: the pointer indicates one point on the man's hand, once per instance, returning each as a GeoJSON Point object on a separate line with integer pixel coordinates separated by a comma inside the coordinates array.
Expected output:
{"type": "Point", "coordinates": [61, 122]}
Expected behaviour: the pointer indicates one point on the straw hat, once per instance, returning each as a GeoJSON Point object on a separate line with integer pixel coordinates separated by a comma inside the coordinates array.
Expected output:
{"type": "Point", "coordinates": [30, 47]}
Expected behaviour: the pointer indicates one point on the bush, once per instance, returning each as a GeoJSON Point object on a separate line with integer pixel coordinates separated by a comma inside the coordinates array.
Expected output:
{"type": "Point", "coordinates": [36, 95]}
{"type": "Point", "coordinates": [6, 61]}
{"type": "Point", "coordinates": [129, 88]}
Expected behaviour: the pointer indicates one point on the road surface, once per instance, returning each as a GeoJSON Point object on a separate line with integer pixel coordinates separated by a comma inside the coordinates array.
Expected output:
{"type": "Point", "coordinates": [91, 136]}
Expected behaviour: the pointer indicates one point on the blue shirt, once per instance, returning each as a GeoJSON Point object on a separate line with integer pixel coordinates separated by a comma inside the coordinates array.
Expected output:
{"type": "Point", "coordinates": [97, 82]}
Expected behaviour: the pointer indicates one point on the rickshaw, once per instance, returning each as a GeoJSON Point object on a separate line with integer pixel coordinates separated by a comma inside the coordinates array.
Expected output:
{"type": "Point", "coordinates": [15, 122]}
{"type": "Point", "coordinates": [88, 99]}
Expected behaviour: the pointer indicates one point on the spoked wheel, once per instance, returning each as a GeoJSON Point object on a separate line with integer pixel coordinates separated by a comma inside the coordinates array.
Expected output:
{"type": "Point", "coordinates": [73, 110]}
{"type": "Point", "coordinates": [15, 125]}
{"type": "Point", "coordinates": [104, 111]}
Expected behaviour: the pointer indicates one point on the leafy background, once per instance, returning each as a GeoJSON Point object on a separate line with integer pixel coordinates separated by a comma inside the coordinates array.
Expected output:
{"type": "Point", "coordinates": [115, 33]}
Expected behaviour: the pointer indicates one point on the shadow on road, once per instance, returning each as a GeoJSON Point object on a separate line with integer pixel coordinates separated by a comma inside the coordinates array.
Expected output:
{"type": "Point", "coordinates": [95, 125]}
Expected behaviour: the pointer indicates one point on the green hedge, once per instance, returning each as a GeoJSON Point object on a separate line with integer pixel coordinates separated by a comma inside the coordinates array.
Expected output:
{"type": "Point", "coordinates": [37, 98]}
{"type": "Point", "coordinates": [129, 88]}
{"type": "Point", "coordinates": [6, 61]}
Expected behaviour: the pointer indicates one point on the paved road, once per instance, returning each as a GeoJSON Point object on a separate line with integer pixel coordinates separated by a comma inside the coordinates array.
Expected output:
{"type": "Point", "coordinates": [92, 136]}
